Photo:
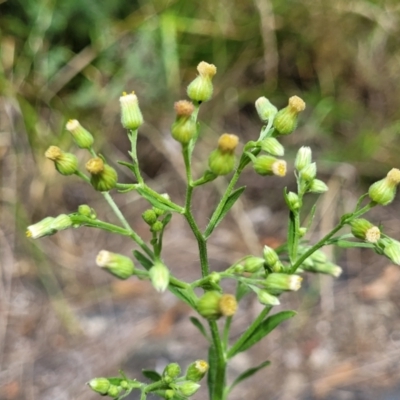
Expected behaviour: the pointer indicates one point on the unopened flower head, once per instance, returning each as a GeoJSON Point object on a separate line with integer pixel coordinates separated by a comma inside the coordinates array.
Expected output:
{"type": "Point", "coordinates": [82, 137]}
{"type": "Point", "coordinates": [253, 264]}
{"type": "Point", "coordinates": [303, 158]}
{"type": "Point", "coordinates": [392, 251]}
{"type": "Point", "coordinates": [285, 121]}
{"type": "Point", "coordinates": [41, 228]}
{"type": "Point", "coordinates": [384, 191]}
{"type": "Point", "coordinates": [266, 298]}
{"type": "Point", "coordinates": [172, 370]}
{"type": "Point", "coordinates": [103, 177]}
{"type": "Point", "coordinates": [318, 186]}
{"type": "Point", "coordinates": [201, 88]}
{"type": "Point", "coordinates": [99, 385]}
{"type": "Point", "coordinates": [159, 275]}
{"type": "Point", "coordinates": [272, 146]}
{"type": "Point", "coordinates": [293, 201]}
{"type": "Point", "coordinates": [187, 388]}
{"type": "Point", "coordinates": [150, 217]}
{"type": "Point", "coordinates": [270, 256]}
{"type": "Point", "coordinates": [61, 222]}
{"type": "Point", "coordinates": [222, 160]}
{"type": "Point", "coordinates": [268, 165]}
{"type": "Point", "coordinates": [365, 230]}
{"type": "Point", "coordinates": [184, 127]}
{"type": "Point", "coordinates": [197, 370]}
{"type": "Point", "coordinates": [327, 268]}
{"type": "Point", "coordinates": [228, 305]}
{"type": "Point", "coordinates": [116, 264]}
{"type": "Point", "coordinates": [208, 305]}
{"type": "Point", "coordinates": [65, 163]}
{"type": "Point", "coordinates": [227, 143]}
{"type": "Point", "coordinates": [309, 172]}
{"type": "Point", "coordinates": [265, 109]}
{"type": "Point", "coordinates": [131, 116]}
{"type": "Point", "coordinates": [279, 282]}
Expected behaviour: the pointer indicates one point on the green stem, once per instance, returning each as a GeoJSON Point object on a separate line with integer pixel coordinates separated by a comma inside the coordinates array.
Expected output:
{"type": "Point", "coordinates": [249, 331]}
{"type": "Point", "coordinates": [220, 368]}
{"type": "Point", "coordinates": [132, 135]}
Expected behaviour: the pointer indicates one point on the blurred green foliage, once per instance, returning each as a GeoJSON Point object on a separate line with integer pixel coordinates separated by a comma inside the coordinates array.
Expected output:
{"type": "Point", "coordinates": [64, 58]}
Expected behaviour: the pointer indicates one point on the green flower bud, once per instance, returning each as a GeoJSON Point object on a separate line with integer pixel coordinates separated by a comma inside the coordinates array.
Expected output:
{"type": "Point", "coordinates": [99, 385]}
{"type": "Point", "coordinates": [384, 191]}
{"type": "Point", "coordinates": [41, 228]}
{"type": "Point", "coordinates": [270, 256]}
{"type": "Point", "coordinates": [285, 121]}
{"type": "Point", "coordinates": [323, 268]}
{"type": "Point", "coordinates": [303, 158]}
{"type": "Point", "coordinates": [159, 275]}
{"type": "Point", "coordinates": [392, 251]}
{"type": "Point", "coordinates": [61, 222]}
{"type": "Point", "coordinates": [272, 146]}
{"type": "Point", "coordinates": [197, 370]}
{"type": "Point", "coordinates": [158, 211]}
{"type": "Point", "coordinates": [253, 264]}
{"type": "Point", "coordinates": [103, 177]}
{"type": "Point", "coordinates": [116, 264]}
{"type": "Point", "coordinates": [157, 226]}
{"type": "Point", "coordinates": [172, 370]}
{"type": "Point", "coordinates": [364, 230]}
{"type": "Point", "coordinates": [208, 305]}
{"type": "Point", "coordinates": [302, 231]}
{"type": "Point", "coordinates": [309, 172]}
{"type": "Point", "coordinates": [169, 394]}
{"type": "Point", "coordinates": [222, 160]}
{"type": "Point", "coordinates": [87, 211]}
{"type": "Point", "coordinates": [265, 109]}
{"type": "Point", "coordinates": [317, 186]}
{"type": "Point", "coordinates": [293, 201]}
{"type": "Point", "coordinates": [131, 116]}
{"type": "Point", "coordinates": [279, 282]}
{"type": "Point", "coordinates": [184, 127]}
{"type": "Point", "coordinates": [267, 165]}
{"type": "Point", "coordinates": [264, 297]}
{"type": "Point", "coordinates": [214, 277]}
{"type": "Point", "coordinates": [187, 388]}
{"type": "Point", "coordinates": [82, 137]}
{"type": "Point", "coordinates": [114, 390]}
{"type": "Point", "coordinates": [201, 88]}
{"type": "Point", "coordinates": [65, 163]}
{"type": "Point", "coordinates": [150, 217]}
{"type": "Point", "coordinates": [319, 257]}
{"type": "Point", "coordinates": [228, 305]}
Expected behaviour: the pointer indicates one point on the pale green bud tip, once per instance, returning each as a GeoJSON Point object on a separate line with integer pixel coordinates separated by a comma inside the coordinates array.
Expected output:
{"type": "Point", "coordinates": [41, 228]}
{"type": "Point", "coordinates": [268, 299]}
{"type": "Point", "coordinates": [303, 158]}
{"type": "Point", "coordinates": [159, 275]}
{"type": "Point", "coordinates": [309, 172]}
{"type": "Point", "coordinates": [65, 163]}
{"type": "Point", "coordinates": [253, 264]}
{"type": "Point", "coordinates": [131, 116]}
{"type": "Point", "coordinates": [82, 137]}
{"type": "Point", "coordinates": [99, 385]}
{"type": "Point", "coordinates": [270, 256]}
{"type": "Point", "coordinates": [272, 146]}
{"type": "Point", "coordinates": [265, 109]}
{"type": "Point", "coordinates": [208, 305]}
{"type": "Point", "coordinates": [392, 251]}
{"type": "Point", "coordinates": [228, 305]}
{"type": "Point", "coordinates": [87, 211]}
{"type": "Point", "coordinates": [197, 370]}
{"type": "Point", "coordinates": [293, 201]}
{"type": "Point", "coordinates": [188, 388]}
{"type": "Point", "coordinates": [116, 264]}
{"type": "Point", "coordinates": [172, 370]}
{"type": "Point", "coordinates": [61, 222]}
{"type": "Point", "coordinates": [318, 186]}
{"type": "Point", "coordinates": [276, 281]}
{"type": "Point", "coordinates": [384, 191]}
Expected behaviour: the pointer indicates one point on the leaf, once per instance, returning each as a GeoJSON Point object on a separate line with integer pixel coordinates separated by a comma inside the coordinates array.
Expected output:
{"type": "Point", "coordinates": [166, 220]}
{"type": "Point", "coordinates": [212, 371]}
{"type": "Point", "coordinates": [267, 326]}
{"type": "Point", "coordinates": [230, 201]}
{"type": "Point", "coordinates": [154, 201]}
{"type": "Point", "coordinates": [181, 294]}
{"type": "Point", "coordinates": [248, 373]}
{"type": "Point", "coordinates": [346, 244]}
{"type": "Point", "coordinates": [291, 242]}
{"type": "Point", "coordinates": [196, 322]}
{"type": "Point", "coordinates": [147, 264]}
{"type": "Point", "coordinates": [152, 375]}
{"type": "Point", "coordinates": [127, 164]}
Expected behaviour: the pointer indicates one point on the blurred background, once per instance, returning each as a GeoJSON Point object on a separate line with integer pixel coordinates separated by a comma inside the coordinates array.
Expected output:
{"type": "Point", "coordinates": [63, 322]}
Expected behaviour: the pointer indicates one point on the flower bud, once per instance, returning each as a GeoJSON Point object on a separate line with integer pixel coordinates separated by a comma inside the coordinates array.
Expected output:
{"type": "Point", "coordinates": [270, 256]}
{"type": "Point", "coordinates": [150, 217]}
{"type": "Point", "coordinates": [41, 228]}
{"type": "Point", "coordinates": [228, 305]}
{"type": "Point", "coordinates": [159, 275]}
{"type": "Point", "coordinates": [222, 160]}
{"type": "Point", "coordinates": [103, 177]}
{"type": "Point", "coordinates": [184, 127]}
{"type": "Point", "coordinates": [214, 277]}
{"type": "Point", "coordinates": [293, 201]}
{"type": "Point", "coordinates": [157, 226]}
{"type": "Point", "coordinates": [82, 137]}
{"type": "Point", "coordinates": [364, 230]}
{"type": "Point", "coordinates": [197, 370]}
{"type": "Point", "coordinates": [253, 264]}
{"type": "Point", "coordinates": [392, 251]}
{"type": "Point", "coordinates": [131, 116]}
{"type": "Point", "coordinates": [201, 88]}
{"type": "Point", "coordinates": [303, 158]}
{"type": "Point", "coordinates": [265, 109]}
{"type": "Point", "coordinates": [265, 298]}
{"type": "Point", "coordinates": [61, 222]}
{"type": "Point", "coordinates": [384, 191]}
{"type": "Point", "coordinates": [272, 146]}
{"type": "Point", "coordinates": [187, 388]}
{"type": "Point", "coordinates": [302, 231]}
{"type": "Point", "coordinates": [327, 268]}
{"type": "Point", "coordinates": [99, 385]}
{"type": "Point", "coordinates": [267, 165]}
{"type": "Point", "coordinates": [208, 305]}
{"type": "Point", "coordinates": [172, 370]}
{"type": "Point", "coordinates": [285, 121]}
{"type": "Point", "coordinates": [114, 390]}
{"type": "Point", "coordinates": [279, 282]}
{"type": "Point", "coordinates": [317, 186]}
{"type": "Point", "coordinates": [65, 163]}
{"type": "Point", "coordinates": [87, 211]}
{"type": "Point", "coordinates": [116, 264]}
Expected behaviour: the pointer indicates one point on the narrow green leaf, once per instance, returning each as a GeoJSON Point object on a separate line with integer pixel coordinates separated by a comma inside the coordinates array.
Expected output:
{"type": "Point", "coordinates": [183, 295]}
{"type": "Point", "coordinates": [267, 326]}
{"type": "Point", "coordinates": [154, 201]}
{"type": "Point", "coordinates": [196, 322]}
{"type": "Point", "coordinates": [127, 164]}
{"type": "Point", "coordinates": [292, 236]}
{"type": "Point", "coordinates": [346, 244]}
{"type": "Point", "coordinates": [230, 201]}
{"type": "Point", "coordinates": [147, 263]}
{"type": "Point", "coordinates": [166, 219]}
{"type": "Point", "coordinates": [248, 373]}
{"type": "Point", "coordinates": [152, 375]}
{"type": "Point", "coordinates": [241, 290]}
{"type": "Point", "coordinates": [212, 371]}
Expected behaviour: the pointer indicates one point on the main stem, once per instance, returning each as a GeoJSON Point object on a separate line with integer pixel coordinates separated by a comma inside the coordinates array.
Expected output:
{"type": "Point", "coordinates": [220, 368]}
